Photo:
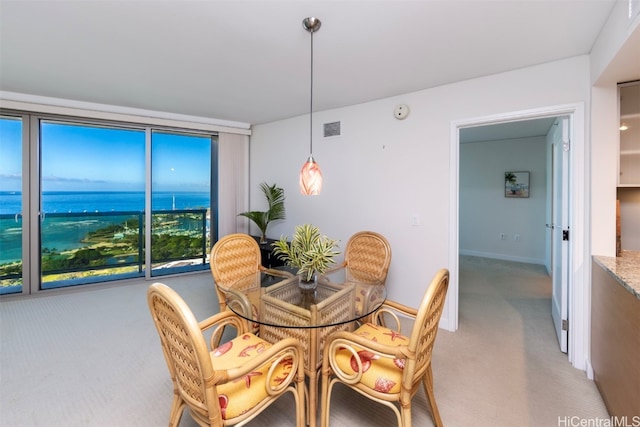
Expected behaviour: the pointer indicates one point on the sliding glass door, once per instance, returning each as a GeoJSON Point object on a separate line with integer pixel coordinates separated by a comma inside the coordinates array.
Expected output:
{"type": "Point", "coordinates": [86, 202]}
{"type": "Point", "coordinates": [180, 201]}
{"type": "Point", "coordinates": [92, 184]}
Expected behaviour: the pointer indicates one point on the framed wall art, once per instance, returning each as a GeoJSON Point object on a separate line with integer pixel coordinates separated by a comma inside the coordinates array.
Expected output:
{"type": "Point", "coordinates": [516, 184]}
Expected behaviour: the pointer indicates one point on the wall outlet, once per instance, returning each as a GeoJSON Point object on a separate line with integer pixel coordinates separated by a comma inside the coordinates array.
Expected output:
{"type": "Point", "coordinates": [516, 237]}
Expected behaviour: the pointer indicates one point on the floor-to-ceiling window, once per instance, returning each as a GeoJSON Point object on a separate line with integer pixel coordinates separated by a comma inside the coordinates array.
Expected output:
{"type": "Point", "coordinates": [93, 185]}
{"type": "Point", "coordinates": [180, 202]}
{"type": "Point", "coordinates": [92, 181]}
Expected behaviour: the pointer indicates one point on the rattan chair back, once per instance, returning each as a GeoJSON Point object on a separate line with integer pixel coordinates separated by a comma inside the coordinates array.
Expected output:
{"type": "Point", "coordinates": [233, 257]}
{"type": "Point", "coordinates": [186, 354]}
{"type": "Point", "coordinates": [425, 328]}
{"type": "Point", "coordinates": [367, 257]}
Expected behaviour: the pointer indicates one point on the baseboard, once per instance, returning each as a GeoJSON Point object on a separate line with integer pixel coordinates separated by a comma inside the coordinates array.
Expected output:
{"type": "Point", "coordinates": [589, 369]}
{"type": "Point", "coordinates": [503, 257]}
{"type": "Point", "coordinates": [445, 324]}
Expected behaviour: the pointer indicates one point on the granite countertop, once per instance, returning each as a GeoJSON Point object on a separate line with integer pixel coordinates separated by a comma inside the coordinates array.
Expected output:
{"type": "Point", "coordinates": [625, 269]}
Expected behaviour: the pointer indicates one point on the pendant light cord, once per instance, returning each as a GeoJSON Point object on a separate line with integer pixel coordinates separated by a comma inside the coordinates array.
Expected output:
{"type": "Point", "coordinates": [311, 103]}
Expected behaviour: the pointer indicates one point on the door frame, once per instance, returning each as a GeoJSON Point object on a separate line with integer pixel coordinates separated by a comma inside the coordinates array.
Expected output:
{"type": "Point", "coordinates": [557, 222]}
{"type": "Point", "coordinates": [579, 269]}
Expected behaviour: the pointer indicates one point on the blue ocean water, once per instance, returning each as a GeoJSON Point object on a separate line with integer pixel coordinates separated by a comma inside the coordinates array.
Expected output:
{"type": "Point", "coordinates": [64, 232]}
{"type": "Point", "coordinates": [105, 201]}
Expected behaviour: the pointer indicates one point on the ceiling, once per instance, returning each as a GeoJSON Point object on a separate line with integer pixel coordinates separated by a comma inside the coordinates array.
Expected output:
{"type": "Point", "coordinates": [248, 61]}
{"type": "Point", "coordinates": [507, 131]}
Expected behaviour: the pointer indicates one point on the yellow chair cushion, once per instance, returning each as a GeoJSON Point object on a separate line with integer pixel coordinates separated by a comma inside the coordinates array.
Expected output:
{"type": "Point", "coordinates": [380, 373]}
{"type": "Point", "coordinates": [241, 395]}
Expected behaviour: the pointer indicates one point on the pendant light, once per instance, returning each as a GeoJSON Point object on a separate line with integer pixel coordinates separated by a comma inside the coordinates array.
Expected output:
{"type": "Point", "coordinates": [310, 174]}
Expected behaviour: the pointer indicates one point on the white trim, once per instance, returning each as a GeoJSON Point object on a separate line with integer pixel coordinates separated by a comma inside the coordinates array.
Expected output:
{"type": "Point", "coordinates": [589, 369]}
{"type": "Point", "coordinates": [580, 280]}
{"type": "Point", "coordinates": [454, 191]}
{"type": "Point", "coordinates": [43, 104]}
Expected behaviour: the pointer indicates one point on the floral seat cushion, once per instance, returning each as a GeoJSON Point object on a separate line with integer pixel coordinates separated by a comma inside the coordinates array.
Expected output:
{"type": "Point", "coordinates": [380, 373]}
{"type": "Point", "coordinates": [239, 396]}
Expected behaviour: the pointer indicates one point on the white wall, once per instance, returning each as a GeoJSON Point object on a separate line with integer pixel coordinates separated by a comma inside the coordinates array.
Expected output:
{"type": "Point", "coordinates": [411, 159]}
{"type": "Point", "coordinates": [384, 171]}
{"type": "Point", "coordinates": [485, 212]}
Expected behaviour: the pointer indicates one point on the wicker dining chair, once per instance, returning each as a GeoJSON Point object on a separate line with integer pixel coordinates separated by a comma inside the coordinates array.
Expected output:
{"type": "Point", "coordinates": [234, 257]}
{"type": "Point", "coordinates": [367, 257]}
{"type": "Point", "coordinates": [384, 365]}
{"type": "Point", "coordinates": [230, 384]}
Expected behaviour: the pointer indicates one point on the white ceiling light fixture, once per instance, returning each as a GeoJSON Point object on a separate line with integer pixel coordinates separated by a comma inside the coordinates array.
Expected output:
{"type": "Point", "coordinates": [310, 175]}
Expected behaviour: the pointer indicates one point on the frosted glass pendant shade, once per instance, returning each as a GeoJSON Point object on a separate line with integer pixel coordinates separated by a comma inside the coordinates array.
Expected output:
{"type": "Point", "coordinates": [310, 178]}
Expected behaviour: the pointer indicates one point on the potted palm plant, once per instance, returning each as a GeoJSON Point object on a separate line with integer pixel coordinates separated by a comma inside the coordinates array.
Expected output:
{"type": "Point", "coordinates": [275, 211]}
{"type": "Point", "coordinates": [309, 251]}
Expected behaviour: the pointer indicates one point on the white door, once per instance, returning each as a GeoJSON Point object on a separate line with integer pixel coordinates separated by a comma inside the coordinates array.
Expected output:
{"type": "Point", "coordinates": [560, 232]}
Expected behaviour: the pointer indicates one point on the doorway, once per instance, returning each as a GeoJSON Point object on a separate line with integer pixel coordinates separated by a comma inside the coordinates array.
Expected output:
{"type": "Point", "coordinates": [513, 199]}
{"type": "Point", "coordinates": [578, 313]}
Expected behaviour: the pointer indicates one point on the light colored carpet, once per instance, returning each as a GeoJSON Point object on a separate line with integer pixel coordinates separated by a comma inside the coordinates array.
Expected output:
{"type": "Point", "coordinates": [93, 358]}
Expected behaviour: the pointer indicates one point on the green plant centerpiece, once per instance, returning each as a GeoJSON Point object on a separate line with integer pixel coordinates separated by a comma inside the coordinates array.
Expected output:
{"type": "Point", "coordinates": [275, 212]}
{"type": "Point", "coordinates": [309, 251]}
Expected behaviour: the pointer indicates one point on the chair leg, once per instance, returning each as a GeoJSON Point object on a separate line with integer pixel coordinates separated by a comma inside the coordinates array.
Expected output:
{"type": "Point", "coordinates": [313, 397]}
{"type": "Point", "coordinates": [325, 400]}
{"type": "Point", "coordinates": [177, 408]}
{"type": "Point", "coordinates": [301, 402]}
{"type": "Point", "coordinates": [405, 415]}
{"type": "Point", "coordinates": [427, 381]}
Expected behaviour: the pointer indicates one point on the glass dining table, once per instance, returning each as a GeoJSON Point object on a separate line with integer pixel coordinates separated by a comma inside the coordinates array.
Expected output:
{"type": "Point", "coordinates": [275, 302]}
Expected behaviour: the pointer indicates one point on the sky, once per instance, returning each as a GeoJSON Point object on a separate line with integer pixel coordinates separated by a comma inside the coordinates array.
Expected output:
{"type": "Point", "coordinates": [83, 158]}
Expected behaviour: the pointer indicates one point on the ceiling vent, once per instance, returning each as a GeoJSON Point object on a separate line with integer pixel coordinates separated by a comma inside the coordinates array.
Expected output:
{"type": "Point", "coordinates": [332, 129]}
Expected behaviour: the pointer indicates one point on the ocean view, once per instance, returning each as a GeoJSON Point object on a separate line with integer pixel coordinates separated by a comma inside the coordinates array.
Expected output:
{"type": "Point", "coordinates": [87, 221]}
{"type": "Point", "coordinates": [105, 201]}
{"type": "Point", "coordinates": [62, 231]}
